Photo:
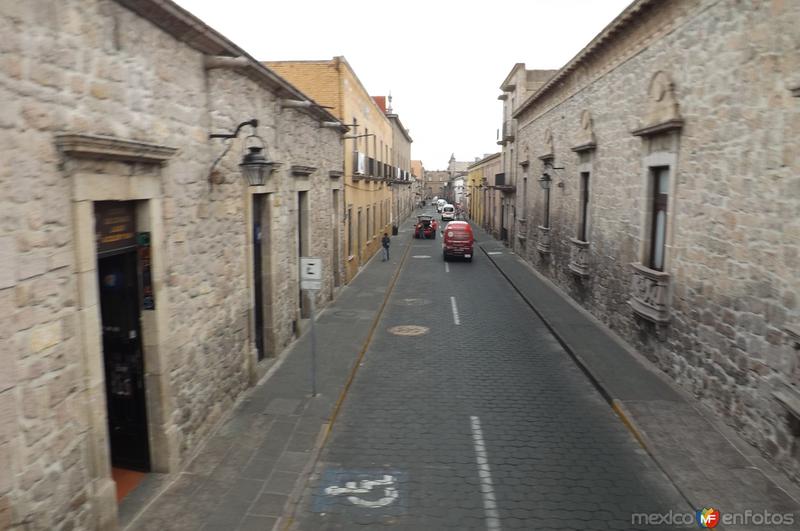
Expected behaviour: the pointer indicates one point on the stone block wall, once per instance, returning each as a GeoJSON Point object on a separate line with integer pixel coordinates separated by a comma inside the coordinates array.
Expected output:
{"type": "Point", "coordinates": [97, 68]}
{"type": "Point", "coordinates": [732, 256]}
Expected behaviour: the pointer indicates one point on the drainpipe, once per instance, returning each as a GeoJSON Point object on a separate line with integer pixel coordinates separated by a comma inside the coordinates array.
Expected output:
{"type": "Point", "coordinates": [222, 61]}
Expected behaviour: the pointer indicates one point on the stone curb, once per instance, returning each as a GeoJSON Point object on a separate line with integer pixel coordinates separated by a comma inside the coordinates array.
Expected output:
{"type": "Point", "coordinates": [619, 407]}
{"type": "Point", "coordinates": [616, 405]}
{"type": "Point", "coordinates": [582, 365]}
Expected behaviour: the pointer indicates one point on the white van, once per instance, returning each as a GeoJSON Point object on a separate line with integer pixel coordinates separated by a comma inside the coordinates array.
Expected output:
{"type": "Point", "coordinates": [440, 205]}
{"type": "Point", "coordinates": [448, 213]}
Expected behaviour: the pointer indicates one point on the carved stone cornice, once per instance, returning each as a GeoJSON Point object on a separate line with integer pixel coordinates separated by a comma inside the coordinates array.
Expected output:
{"type": "Point", "coordinates": [585, 139]}
{"type": "Point", "coordinates": [663, 113]}
{"type": "Point", "coordinates": [335, 174]}
{"type": "Point", "coordinates": [108, 147]}
{"type": "Point", "coordinates": [655, 129]}
{"type": "Point", "coordinates": [302, 171]}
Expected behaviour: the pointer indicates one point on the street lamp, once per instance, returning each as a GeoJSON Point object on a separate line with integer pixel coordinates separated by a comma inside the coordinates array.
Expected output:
{"type": "Point", "coordinates": [545, 181]}
{"type": "Point", "coordinates": [255, 165]}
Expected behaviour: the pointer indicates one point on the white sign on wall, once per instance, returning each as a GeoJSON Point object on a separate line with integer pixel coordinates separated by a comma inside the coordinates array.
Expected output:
{"type": "Point", "coordinates": [310, 273]}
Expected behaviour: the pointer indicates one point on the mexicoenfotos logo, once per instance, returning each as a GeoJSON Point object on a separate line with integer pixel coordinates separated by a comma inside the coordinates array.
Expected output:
{"type": "Point", "coordinates": [707, 517]}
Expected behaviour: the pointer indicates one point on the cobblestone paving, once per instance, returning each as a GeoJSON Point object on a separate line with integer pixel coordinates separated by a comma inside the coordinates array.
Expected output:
{"type": "Point", "coordinates": [558, 457]}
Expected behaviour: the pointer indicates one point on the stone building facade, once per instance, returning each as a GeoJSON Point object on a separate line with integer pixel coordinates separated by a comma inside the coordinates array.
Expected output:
{"type": "Point", "coordinates": [134, 271]}
{"type": "Point", "coordinates": [517, 87]}
{"type": "Point", "coordinates": [666, 165]}
{"type": "Point", "coordinates": [368, 151]}
{"type": "Point", "coordinates": [481, 175]}
{"type": "Point", "coordinates": [403, 199]}
{"type": "Point", "coordinates": [436, 183]}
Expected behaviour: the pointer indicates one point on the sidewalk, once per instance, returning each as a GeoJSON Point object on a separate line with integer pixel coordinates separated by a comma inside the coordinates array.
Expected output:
{"type": "Point", "coordinates": [708, 463]}
{"type": "Point", "coordinates": [244, 475]}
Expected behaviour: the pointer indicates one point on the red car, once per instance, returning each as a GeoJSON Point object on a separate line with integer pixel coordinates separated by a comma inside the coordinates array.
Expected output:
{"type": "Point", "coordinates": [426, 227]}
{"type": "Point", "coordinates": [458, 240]}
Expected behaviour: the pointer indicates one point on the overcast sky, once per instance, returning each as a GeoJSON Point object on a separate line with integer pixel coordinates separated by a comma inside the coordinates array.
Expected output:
{"type": "Point", "coordinates": [442, 60]}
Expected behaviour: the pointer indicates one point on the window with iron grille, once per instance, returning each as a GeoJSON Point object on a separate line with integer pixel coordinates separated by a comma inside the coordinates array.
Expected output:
{"type": "Point", "coordinates": [583, 223]}
{"type": "Point", "coordinates": [659, 184]}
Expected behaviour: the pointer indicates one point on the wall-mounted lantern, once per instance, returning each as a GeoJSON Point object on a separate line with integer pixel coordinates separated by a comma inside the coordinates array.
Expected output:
{"type": "Point", "coordinates": [546, 181]}
{"type": "Point", "coordinates": [256, 165]}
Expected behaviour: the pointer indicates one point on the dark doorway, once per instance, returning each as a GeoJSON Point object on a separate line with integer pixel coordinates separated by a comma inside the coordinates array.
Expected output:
{"type": "Point", "coordinates": [258, 275]}
{"type": "Point", "coordinates": [123, 356]}
{"type": "Point", "coordinates": [503, 228]}
{"type": "Point", "coordinates": [303, 248]}
{"type": "Point", "coordinates": [335, 247]}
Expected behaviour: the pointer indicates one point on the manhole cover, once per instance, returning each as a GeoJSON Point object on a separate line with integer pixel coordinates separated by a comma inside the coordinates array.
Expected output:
{"type": "Point", "coordinates": [414, 302]}
{"type": "Point", "coordinates": [421, 256]}
{"type": "Point", "coordinates": [409, 330]}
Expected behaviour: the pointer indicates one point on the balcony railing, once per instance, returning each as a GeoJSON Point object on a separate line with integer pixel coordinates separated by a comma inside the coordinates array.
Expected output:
{"type": "Point", "coordinates": [359, 165]}
{"type": "Point", "coordinates": [650, 293]}
{"type": "Point", "coordinates": [543, 243]}
{"type": "Point", "coordinates": [508, 130]}
{"type": "Point", "coordinates": [579, 257]}
{"type": "Point", "coordinates": [501, 184]}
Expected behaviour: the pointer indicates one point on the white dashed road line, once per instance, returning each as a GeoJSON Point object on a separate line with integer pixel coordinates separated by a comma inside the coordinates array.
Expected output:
{"type": "Point", "coordinates": [446, 267]}
{"type": "Point", "coordinates": [455, 310]}
{"type": "Point", "coordinates": [485, 475]}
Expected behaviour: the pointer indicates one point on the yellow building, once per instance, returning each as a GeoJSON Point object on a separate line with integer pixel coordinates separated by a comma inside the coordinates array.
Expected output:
{"type": "Point", "coordinates": [480, 175]}
{"type": "Point", "coordinates": [367, 148]}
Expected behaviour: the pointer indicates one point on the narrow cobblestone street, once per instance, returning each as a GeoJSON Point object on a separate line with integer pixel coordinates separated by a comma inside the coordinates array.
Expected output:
{"type": "Point", "coordinates": [482, 422]}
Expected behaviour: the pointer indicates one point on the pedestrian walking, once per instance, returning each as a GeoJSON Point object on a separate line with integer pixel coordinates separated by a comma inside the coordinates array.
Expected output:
{"type": "Point", "coordinates": [385, 241]}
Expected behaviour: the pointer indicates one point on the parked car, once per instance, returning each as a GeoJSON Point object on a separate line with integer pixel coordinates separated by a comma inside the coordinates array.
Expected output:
{"type": "Point", "coordinates": [440, 203]}
{"type": "Point", "coordinates": [426, 227]}
{"type": "Point", "coordinates": [458, 241]}
{"type": "Point", "coordinates": [448, 213]}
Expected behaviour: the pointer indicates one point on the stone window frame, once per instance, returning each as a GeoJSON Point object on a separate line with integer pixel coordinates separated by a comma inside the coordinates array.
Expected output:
{"type": "Point", "coordinates": [258, 368]}
{"type": "Point", "coordinates": [359, 233]}
{"type": "Point", "coordinates": [652, 290]}
{"type": "Point", "coordinates": [350, 231]}
{"type": "Point", "coordinates": [543, 242]}
{"type": "Point", "coordinates": [579, 248]}
{"type": "Point", "coordinates": [546, 195]}
{"type": "Point", "coordinates": [651, 162]}
{"type": "Point", "coordinates": [585, 165]}
{"type": "Point", "coordinates": [132, 171]}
